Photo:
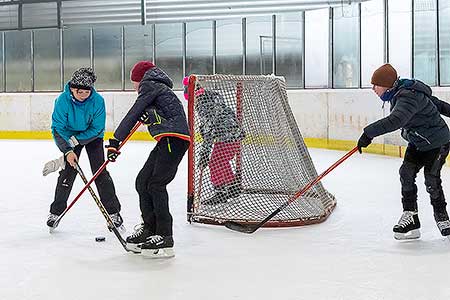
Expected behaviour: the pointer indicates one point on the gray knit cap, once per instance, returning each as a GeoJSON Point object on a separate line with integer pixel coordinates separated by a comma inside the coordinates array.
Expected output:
{"type": "Point", "coordinates": [83, 78]}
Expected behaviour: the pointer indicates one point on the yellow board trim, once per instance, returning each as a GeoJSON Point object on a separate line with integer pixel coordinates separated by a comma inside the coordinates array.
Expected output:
{"type": "Point", "coordinates": [47, 135]}
{"type": "Point", "coordinates": [389, 150]}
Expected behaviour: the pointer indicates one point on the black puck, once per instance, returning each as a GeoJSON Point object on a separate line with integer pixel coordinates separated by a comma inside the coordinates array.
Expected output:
{"type": "Point", "coordinates": [100, 239]}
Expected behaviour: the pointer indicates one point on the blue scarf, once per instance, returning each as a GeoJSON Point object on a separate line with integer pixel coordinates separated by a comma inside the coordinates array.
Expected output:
{"type": "Point", "coordinates": [388, 95]}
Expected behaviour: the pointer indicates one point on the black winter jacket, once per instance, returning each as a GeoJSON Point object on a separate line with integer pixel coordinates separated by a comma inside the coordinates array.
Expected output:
{"type": "Point", "coordinates": [167, 116]}
{"type": "Point", "coordinates": [417, 113]}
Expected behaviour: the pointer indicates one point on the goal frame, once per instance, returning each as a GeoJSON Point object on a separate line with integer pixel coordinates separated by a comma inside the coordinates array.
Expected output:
{"type": "Point", "coordinates": [192, 172]}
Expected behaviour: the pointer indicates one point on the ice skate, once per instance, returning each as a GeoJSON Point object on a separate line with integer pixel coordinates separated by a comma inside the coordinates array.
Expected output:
{"type": "Point", "coordinates": [51, 222]}
{"type": "Point", "coordinates": [407, 227]}
{"type": "Point", "coordinates": [442, 223]}
{"type": "Point", "coordinates": [141, 235]}
{"type": "Point", "coordinates": [118, 222]}
{"type": "Point", "coordinates": [158, 247]}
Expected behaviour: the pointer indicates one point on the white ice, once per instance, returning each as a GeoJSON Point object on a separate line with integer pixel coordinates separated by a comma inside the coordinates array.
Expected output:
{"type": "Point", "coordinates": [350, 256]}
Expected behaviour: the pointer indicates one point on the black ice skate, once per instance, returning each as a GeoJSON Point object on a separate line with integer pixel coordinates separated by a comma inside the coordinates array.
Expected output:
{"type": "Point", "coordinates": [222, 194]}
{"type": "Point", "coordinates": [118, 222]}
{"type": "Point", "coordinates": [51, 221]}
{"type": "Point", "coordinates": [408, 226]}
{"type": "Point", "coordinates": [442, 222]}
{"type": "Point", "coordinates": [141, 234]}
{"type": "Point", "coordinates": [158, 247]}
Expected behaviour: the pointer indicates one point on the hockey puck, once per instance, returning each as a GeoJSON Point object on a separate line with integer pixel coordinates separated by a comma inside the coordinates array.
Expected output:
{"type": "Point", "coordinates": [100, 239]}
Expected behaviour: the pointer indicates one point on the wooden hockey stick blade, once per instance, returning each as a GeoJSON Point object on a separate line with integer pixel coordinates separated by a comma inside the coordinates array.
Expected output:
{"type": "Point", "coordinates": [240, 227]}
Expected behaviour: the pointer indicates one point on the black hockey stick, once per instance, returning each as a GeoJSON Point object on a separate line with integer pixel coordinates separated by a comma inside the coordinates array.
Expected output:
{"type": "Point", "coordinates": [105, 214]}
{"type": "Point", "coordinates": [88, 183]}
{"type": "Point", "coordinates": [250, 228]}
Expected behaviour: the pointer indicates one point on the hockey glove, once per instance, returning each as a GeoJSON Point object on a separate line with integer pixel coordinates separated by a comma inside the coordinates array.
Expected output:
{"type": "Point", "coordinates": [113, 149]}
{"type": "Point", "coordinates": [53, 166]}
{"type": "Point", "coordinates": [363, 142]}
{"type": "Point", "coordinates": [145, 117]}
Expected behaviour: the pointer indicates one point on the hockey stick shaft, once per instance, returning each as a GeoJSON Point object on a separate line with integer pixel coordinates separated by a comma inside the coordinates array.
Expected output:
{"type": "Point", "coordinates": [252, 228]}
{"type": "Point", "coordinates": [99, 171]}
{"type": "Point", "coordinates": [102, 208]}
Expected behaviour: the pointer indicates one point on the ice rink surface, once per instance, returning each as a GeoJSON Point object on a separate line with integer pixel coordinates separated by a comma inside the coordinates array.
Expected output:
{"type": "Point", "coordinates": [351, 256]}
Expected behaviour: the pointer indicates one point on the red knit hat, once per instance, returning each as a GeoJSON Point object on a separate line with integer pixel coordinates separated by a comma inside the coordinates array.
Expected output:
{"type": "Point", "coordinates": [139, 69]}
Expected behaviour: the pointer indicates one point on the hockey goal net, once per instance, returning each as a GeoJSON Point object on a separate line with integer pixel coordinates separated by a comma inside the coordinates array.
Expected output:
{"type": "Point", "coordinates": [248, 155]}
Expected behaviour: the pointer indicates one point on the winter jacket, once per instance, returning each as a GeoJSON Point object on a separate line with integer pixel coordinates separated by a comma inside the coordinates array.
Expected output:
{"type": "Point", "coordinates": [417, 113]}
{"type": "Point", "coordinates": [83, 120]}
{"type": "Point", "coordinates": [217, 121]}
{"type": "Point", "coordinates": [167, 117]}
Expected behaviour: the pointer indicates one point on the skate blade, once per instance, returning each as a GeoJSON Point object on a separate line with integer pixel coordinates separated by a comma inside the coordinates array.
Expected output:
{"type": "Point", "coordinates": [135, 248]}
{"type": "Point", "coordinates": [411, 235]}
{"type": "Point", "coordinates": [158, 253]}
{"type": "Point", "coordinates": [122, 229]}
{"type": "Point", "coordinates": [51, 229]}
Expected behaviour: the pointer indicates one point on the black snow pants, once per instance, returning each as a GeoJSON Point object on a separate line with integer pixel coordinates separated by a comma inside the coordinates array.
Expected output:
{"type": "Point", "coordinates": [432, 162]}
{"type": "Point", "coordinates": [158, 171]}
{"type": "Point", "coordinates": [104, 183]}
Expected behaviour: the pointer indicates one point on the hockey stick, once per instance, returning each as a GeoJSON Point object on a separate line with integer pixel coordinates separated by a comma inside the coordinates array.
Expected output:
{"type": "Point", "coordinates": [250, 228]}
{"type": "Point", "coordinates": [99, 171]}
{"type": "Point", "coordinates": [105, 214]}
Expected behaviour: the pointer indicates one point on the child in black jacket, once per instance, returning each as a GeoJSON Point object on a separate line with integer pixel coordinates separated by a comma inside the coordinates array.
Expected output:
{"type": "Point", "coordinates": [418, 114]}
{"type": "Point", "coordinates": [159, 108]}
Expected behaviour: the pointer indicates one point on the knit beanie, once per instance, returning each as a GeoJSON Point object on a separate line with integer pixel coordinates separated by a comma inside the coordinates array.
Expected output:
{"type": "Point", "coordinates": [83, 78]}
{"type": "Point", "coordinates": [384, 76]}
{"type": "Point", "coordinates": [139, 69]}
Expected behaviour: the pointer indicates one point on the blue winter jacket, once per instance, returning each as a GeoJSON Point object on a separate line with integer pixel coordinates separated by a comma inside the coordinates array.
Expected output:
{"type": "Point", "coordinates": [83, 120]}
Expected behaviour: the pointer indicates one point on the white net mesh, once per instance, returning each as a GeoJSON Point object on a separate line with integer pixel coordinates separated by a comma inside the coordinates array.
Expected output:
{"type": "Point", "coordinates": [249, 156]}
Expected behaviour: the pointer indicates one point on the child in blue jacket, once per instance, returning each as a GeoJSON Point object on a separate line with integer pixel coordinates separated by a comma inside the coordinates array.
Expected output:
{"type": "Point", "coordinates": [78, 121]}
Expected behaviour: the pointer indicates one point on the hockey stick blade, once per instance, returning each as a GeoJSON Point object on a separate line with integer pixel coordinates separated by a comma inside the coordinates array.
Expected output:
{"type": "Point", "coordinates": [252, 228]}
{"type": "Point", "coordinates": [240, 227]}
{"type": "Point", "coordinates": [105, 214]}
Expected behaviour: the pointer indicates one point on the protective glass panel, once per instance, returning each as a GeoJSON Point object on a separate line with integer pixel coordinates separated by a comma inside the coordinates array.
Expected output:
{"type": "Point", "coordinates": [2, 80]}
{"type": "Point", "coordinates": [400, 36]}
{"type": "Point", "coordinates": [289, 48]}
{"type": "Point", "coordinates": [346, 46]}
{"type": "Point", "coordinates": [18, 61]}
{"type": "Point", "coordinates": [444, 41]}
{"type": "Point", "coordinates": [138, 46]}
{"type": "Point", "coordinates": [108, 57]}
{"type": "Point", "coordinates": [229, 46]}
{"type": "Point", "coordinates": [47, 66]}
{"type": "Point", "coordinates": [169, 51]}
{"type": "Point", "coordinates": [316, 48]}
{"type": "Point", "coordinates": [259, 45]}
{"type": "Point", "coordinates": [425, 35]}
{"type": "Point", "coordinates": [199, 50]}
{"type": "Point", "coordinates": [372, 38]}
{"type": "Point", "coordinates": [76, 50]}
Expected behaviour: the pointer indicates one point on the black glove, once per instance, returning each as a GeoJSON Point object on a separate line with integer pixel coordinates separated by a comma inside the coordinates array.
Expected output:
{"type": "Point", "coordinates": [363, 142]}
{"type": "Point", "coordinates": [113, 149]}
{"type": "Point", "coordinates": [203, 159]}
{"type": "Point", "coordinates": [145, 117]}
